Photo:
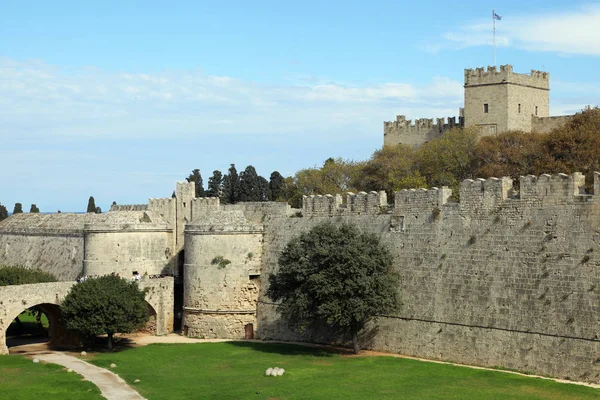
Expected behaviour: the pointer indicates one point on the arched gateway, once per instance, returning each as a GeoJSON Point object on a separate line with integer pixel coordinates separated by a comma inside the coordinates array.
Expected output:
{"type": "Point", "coordinates": [49, 296]}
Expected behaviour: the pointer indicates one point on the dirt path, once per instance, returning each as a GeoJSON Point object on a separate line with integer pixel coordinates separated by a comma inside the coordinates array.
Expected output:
{"type": "Point", "coordinates": [111, 385]}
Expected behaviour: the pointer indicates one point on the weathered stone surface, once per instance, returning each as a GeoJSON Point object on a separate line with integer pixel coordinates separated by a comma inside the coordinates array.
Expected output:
{"type": "Point", "coordinates": [48, 296]}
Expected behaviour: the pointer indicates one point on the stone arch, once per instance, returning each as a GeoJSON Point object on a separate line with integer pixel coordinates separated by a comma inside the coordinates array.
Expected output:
{"type": "Point", "coordinates": [56, 330]}
{"type": "Point", "coordinates": [151, 325]}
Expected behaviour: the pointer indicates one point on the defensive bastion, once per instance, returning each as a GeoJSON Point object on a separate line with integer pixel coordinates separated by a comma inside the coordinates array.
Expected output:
{"type": "Point", "coordinates": [508, 276]}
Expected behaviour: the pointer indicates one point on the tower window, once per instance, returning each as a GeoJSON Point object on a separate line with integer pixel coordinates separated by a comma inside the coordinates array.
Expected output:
{"type": "Point", "coordinates": [519, 108]}
{"type": "Point", "coordinates": [485, 108]}
{"type": "Point", "coordinates": [535, 110]}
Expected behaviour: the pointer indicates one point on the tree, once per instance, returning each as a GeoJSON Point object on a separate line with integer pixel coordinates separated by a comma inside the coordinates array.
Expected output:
{"type": "Point", "coordinates": [336, 176]}
{"type": "Point", "coordinates": [391, 168]}
{"type": "Point", "coordinates": [197, 179]}
{"type": "Point", "coordinates": [214, 184]}
{"type": "Point", "coordinates": [448, 160]}
{"type": "Point", "coordinates": [276, 182]}
{"type": "Point", "coordinates": [34, 209]}
{"type": "Point", "coordinates": [91, 208]}
{"type": "Point", "coordinates": [18, 208]}
{"type": "Point", "coordinates": [249, 185]}
{"type": "Point", "coordinates": [98, 210]}
{"type": "Point", "coordinates": [3, 212]}
{"type": "Point", "coordinates": [231, 186]}
{"type": "Point", "coordinates": [105, 305]}
{"type": "Point", "coordinates": [334, 276]}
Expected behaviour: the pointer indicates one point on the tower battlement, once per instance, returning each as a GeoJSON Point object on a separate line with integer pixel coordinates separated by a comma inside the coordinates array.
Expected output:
{"type": "Point", "coordinates": [505, 75]}
{"type": "Point", "coordinates": [403, 130]}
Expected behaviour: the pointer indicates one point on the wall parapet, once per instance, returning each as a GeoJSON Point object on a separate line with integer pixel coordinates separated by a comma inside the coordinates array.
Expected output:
{"type": "Point", "coordinates": [129, 207]}
{"type": "Point", "coordinates": [422, 130]}
{"type": "Point", "coordinates": [356, 204]}
{"type": "Point", "coordinates": [505, 75]}
{"type": "Point", "coordinates": [417, 200]}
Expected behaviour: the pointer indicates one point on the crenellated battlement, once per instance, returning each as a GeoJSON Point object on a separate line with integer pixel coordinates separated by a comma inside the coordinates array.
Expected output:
{"type": "Point", "coordinates": [128, 207]}
{"type": "Point", "coordinates": [475, 195]}
{"type": "Point", "coordinates": [493, 76]}
{"type": "Point", "coordinates": [418, 200]}
{"type": "Point", "coordinates": [554, 189]}
{"type": "Point", "coordinates": [356, 204]}
{"type": "Point", "coordinates": [418, 132]}
{"type": "Point", "coordinates": [205, 202]}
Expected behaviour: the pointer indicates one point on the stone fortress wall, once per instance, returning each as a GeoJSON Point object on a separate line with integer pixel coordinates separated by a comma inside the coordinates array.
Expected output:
{"type": "Point", "coordinates": [495, 101]}
{"type": "Point", "coordinates": [508, 276]}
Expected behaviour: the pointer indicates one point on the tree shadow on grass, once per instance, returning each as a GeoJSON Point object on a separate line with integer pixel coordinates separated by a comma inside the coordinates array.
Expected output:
{"type": "Point", "coordinates": [291, 349]}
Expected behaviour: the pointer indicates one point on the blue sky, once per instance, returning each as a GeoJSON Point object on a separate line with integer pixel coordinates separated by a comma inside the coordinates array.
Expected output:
{"type": "Point", "coordinates": [120, 100]}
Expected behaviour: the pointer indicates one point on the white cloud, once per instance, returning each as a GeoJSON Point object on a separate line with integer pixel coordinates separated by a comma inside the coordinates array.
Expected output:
{"type": "Point", "coordinates": [42, 101]}
{"type": "Point", "coordinates": [575, 31]}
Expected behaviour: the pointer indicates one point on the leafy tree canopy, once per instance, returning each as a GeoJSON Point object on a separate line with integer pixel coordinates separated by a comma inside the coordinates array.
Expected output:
{"type": "Point", "coordinates": [336, 276]}
{"type": "Point", "coordinates": [34, 209]}
{"type": "Point", "coordinates": [105, 305]}
{"type": "Point", "coordinates": [22, 276]}
{"type": "Point", "coordinates": [18, 208]}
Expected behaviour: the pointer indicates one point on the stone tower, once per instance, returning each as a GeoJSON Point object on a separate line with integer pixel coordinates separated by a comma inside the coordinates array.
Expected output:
{"type": "Point", "coordinates": [499, 101]}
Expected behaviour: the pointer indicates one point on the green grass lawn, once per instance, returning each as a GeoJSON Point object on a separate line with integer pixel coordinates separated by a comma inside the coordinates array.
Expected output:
{"type": "Point", "coordinates": [20, 379]}
{"type": "Point", "coordinates": [235, 370]}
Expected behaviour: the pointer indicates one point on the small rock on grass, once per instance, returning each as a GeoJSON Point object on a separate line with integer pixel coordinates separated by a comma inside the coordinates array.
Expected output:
{"type": "Point", "coordinates": [83, 353]}
{"type": "Point", "coordinates": [35, 361]}
{"type": "Point", "coordinates": [113, 365]}
{"type": "Point", "coordinates": [136, 381]}
{"type": "Point", "coordinates": [69, 370]}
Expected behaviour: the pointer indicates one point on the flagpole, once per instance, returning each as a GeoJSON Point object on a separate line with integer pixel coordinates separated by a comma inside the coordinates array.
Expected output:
{"type": "Point", "coordinates": [494, 24]}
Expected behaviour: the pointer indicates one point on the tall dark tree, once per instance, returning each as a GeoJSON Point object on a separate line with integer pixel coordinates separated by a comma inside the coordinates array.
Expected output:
{"type": "Point", "coordinates": [336, 277]}
{"type": "Point", "coordinates": [3, 212]}
{"type": "Point", "coordinates": [91, 208]}
{"type": "Point", "coordinates": [231, 186]}
{"type": "Point", "coordinates": [105, 305]}
{"type": "Point", "coordinates": [264, 191]}
{"type": "Point", "coordinates": [276, 182]}
{"type": "Point", "coordinates": [197, 179]}
{"type": "Point", "coordinates": [214, 184]}
{"type": "Point", "coordinates": [249, 185]}
{"type": "Point", "coordinates": [34, 209]}
{"type": "Point", "coordinates": [18, 208]}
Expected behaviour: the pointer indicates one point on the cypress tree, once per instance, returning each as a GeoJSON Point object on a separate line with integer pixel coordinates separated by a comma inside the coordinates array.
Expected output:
{"type": "Point", "coordinates": [18, 208]}
{"type": "Point", "coordinates": [215, 184]}
{"type": "Point", "coordinates": [196, 177]}
{"type": "Point", "coordinates": [276, 185]}
{"type": "Point", "coordinates": [231, 186]}
{"type": "Point", "coordinates": [3, 212]}
{"type": "Point", "coordinates": [91, 208]}
{"type": "Point", "coordinates": [34, 209]}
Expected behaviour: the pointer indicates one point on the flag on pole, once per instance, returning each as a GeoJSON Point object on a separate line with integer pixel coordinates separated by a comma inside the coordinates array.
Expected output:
{"type": "Point", "coordinates": [496, 16]}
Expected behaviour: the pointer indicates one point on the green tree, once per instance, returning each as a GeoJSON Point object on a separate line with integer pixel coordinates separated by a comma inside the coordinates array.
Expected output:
{"type": "Point", "coordinates": [334, 276]}
{"type": "Point", "coordinates": [18, 208]}
{"type": "Point", "coordinates": [197, 179]}
{"type": "Point", "coordinates": [91, 207]}
{"type": "Point", "coordinates": [264, 191]}
{"type": "Point", "coordinates": [250, 189]}
{"type": "Point", "coordinates": [105, 305]}
{"type": "Point", "coordinates": [34, 209]}
{"type": "Point", "coordinates": [231, 186]}
{"type": "Point", "coordinates": [98, 210]}
{"type": "Point", "coordinates": [21, 276]}
{"type": "Point", "coordinates": [214, 184]}
{"type": "Point", "coordinates": [392, 168]}
{"type": "Point", "coordinates": [3, 212]}
{"type": "Point", "coordinates": [448, 160]}
{"type": "Point", "coordinates": [335, 176]}
{"type": "Point", "coordinates": [276, 183]}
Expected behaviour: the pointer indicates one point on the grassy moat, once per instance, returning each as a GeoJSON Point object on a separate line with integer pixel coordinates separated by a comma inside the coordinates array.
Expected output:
{"type": "Point", "coordinates": [235, 370]}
